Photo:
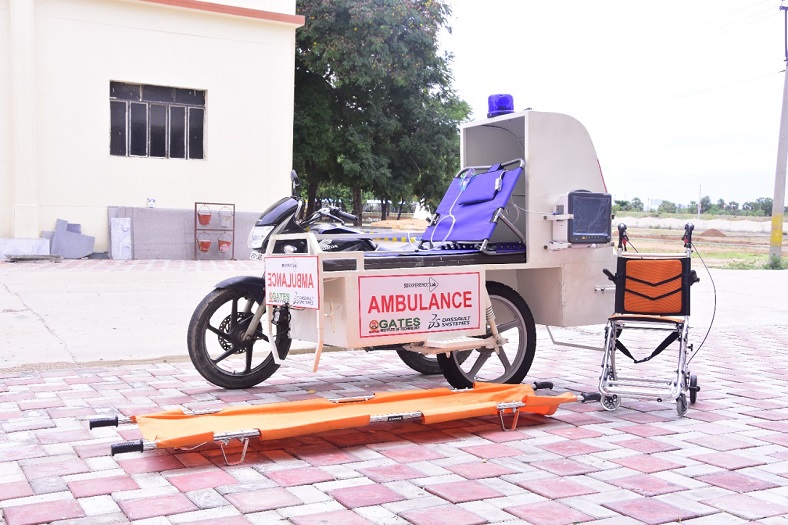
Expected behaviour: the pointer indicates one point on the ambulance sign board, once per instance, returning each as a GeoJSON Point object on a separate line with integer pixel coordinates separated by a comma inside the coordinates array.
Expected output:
{"type": "Point", "coordinates": [419, 303]}
{"type": "Point", "coordinates": [292, 281]}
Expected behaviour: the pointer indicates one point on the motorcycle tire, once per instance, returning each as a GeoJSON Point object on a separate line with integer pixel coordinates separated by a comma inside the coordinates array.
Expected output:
{"type": "Point", "coordinates": [215, 345]}
{"type": "Point", "coordinates": [515, 323]}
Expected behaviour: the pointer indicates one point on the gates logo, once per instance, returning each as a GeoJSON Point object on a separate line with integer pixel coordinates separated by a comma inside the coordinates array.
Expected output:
{"type": "Point", "coordinates": [373, 326]}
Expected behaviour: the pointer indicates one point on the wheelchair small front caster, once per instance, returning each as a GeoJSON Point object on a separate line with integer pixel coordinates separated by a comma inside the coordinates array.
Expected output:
{"type": "Point", "coordinates": [611, 402]}
{"type": "Point", "coordinates": [681, 404]}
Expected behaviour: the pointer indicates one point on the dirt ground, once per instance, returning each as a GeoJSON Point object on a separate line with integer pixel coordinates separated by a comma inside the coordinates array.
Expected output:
{"type": "Point", "coordinates": [717, 248]}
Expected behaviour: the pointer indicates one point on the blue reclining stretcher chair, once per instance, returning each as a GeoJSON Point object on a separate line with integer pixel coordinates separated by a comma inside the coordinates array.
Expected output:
{"type": "Point", "coordinates": [472, 208]}
{"type": "Point", "coordinates": [471, 225]}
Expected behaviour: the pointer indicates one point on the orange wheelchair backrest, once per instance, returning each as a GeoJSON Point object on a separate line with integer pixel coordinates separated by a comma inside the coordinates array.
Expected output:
{"type": "Point", "coordinates": [653, 286]}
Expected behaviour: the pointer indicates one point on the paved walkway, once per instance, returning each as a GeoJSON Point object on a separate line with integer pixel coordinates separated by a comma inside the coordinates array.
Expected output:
{"type": "Point", "coordinates": [725, 462]}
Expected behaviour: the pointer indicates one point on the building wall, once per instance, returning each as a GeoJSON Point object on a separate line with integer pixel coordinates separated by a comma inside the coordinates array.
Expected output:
{"type": "Point", "coordinates": [6, 188]}
{"type": "Point", "coordinates": [245, 65]}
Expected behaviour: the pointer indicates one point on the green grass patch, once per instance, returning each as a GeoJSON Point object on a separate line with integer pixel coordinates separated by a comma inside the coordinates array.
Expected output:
{"type": "Point", "coordinates": [776, 263]}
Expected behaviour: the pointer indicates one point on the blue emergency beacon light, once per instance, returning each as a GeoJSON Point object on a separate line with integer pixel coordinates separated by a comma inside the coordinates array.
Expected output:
{"type": "Point", "coordinates": [499, 105]}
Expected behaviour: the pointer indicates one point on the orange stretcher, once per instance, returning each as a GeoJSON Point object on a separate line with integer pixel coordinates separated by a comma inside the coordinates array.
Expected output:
{"type": "Point", "coordinates": [179, 429]}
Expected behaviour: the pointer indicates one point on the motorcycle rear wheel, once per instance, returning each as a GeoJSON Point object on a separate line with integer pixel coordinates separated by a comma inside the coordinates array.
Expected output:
{"type": "Point", "coordinates": [217, 349]}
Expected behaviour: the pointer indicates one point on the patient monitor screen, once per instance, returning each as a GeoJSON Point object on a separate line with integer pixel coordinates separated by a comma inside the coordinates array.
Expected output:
{"type": "Point", "coordinates": [592, 222]}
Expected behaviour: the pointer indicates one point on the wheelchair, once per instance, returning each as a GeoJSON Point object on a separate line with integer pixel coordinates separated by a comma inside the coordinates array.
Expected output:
{"type": "Point", "coordinates": [652, 294]}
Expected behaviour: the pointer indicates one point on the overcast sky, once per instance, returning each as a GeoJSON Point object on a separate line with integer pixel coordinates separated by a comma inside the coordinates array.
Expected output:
{"type": "Point", "coordinates": [678, 95]}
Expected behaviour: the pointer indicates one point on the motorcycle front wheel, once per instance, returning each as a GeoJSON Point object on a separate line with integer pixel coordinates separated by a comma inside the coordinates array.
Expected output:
{"type": "Point", "coordinates": [217, 347]}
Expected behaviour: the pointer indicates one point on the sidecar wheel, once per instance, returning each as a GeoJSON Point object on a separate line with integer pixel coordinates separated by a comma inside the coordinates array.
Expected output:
{"type": "Point", "coordinates": [215, 343]}
{"type": "Point", "coordinates": [513, 360]}
{"type": "Point", "coordinates": [425, 364]}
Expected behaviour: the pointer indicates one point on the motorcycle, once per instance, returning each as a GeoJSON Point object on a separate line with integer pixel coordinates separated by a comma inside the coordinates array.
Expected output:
{"type": "Point", "coordinates": [218, 343]}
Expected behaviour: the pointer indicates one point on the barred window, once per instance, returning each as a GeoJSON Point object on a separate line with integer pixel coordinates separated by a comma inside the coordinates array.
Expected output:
{"type": "Point", "coordinates": [156, 121]}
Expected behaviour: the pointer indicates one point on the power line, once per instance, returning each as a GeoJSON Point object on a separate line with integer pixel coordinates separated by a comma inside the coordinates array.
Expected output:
{"type": "Point", "coordinates": [724, 86]}
{"type": "Point", "coordinates": [730, 27]}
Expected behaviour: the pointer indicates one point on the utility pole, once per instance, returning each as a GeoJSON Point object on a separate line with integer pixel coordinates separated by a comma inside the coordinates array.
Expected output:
{"type": "Point", "coordinates": [778, 204]}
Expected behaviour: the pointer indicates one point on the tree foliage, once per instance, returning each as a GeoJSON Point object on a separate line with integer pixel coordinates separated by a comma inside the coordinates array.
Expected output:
{"type": "Point", "coordinates": [760, 207]}
{"type": "Point", "coordinates": [624, 205]}
{"type": "Point", "coordinates": [374, 108]}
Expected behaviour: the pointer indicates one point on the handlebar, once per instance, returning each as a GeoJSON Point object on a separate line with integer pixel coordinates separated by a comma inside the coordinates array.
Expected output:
{"type": "Point", "coordinates": [332, 213]}
{"type": "Point", "coordinates": [343, 215]}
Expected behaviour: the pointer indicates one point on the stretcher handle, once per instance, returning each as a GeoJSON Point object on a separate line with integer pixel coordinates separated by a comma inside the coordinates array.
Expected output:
{"type": "Point", "coordinates": [539, 385]}
{"type": "Point", "coordinates": [103, 422]}
{"type": "Point", "coordinates": [127, 446]}
{"type": "Point", "coordinates": [585, 397]}
{"type": "Point", "coordinates": [610, 275]}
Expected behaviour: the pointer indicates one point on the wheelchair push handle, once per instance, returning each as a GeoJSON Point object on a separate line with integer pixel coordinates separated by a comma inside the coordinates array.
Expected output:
{"type": "Point", "coordinates": [623, 239]}
{"type": "Point", "coordinates": [688, 228]}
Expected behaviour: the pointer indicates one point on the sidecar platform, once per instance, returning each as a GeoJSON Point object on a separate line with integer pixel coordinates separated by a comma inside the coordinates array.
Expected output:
{"type": "Point", "coordinates": [176, 428]}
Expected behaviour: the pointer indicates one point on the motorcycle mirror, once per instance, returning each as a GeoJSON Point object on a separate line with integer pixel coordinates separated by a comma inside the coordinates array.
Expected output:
{"type": "Point", "coordinates": [294, 180]}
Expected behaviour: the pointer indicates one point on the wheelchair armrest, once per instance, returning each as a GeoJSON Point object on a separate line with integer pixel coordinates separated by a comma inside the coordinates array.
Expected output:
{"type": "Point", "coordinates": [693, 277]}
{"type": "Point", "coordinates": [610, 275]}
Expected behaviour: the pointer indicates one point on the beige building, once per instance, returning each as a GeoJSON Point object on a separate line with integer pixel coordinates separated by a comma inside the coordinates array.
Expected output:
{"type": "Point", "coordinates": [109, 103]}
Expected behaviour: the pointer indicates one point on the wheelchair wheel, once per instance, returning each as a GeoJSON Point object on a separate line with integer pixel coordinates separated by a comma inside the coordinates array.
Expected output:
{"type": "Point", "coordinates": [611, 402]}
{"type": "Point", "coordinates": [681, 404]}
{"type": "Point", "coordinates": [693, 388]}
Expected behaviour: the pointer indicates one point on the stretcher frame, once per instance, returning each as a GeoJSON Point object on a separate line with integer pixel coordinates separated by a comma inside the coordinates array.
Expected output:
{"type": "Point", "coordinates": [189, 430]}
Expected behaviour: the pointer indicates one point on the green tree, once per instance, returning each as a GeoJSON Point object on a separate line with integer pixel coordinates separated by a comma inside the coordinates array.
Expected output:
{"type": "Point", "coordinates": [636, 204]}
{"type": "Point", "coordinates": [666, 207]}
{"type": "Point", "coordinates": [705, 204]}
{"type": "Point", "coordinates": [621, 205]}
{"type": "Point", "coordinates": [760, 207]}
{"type": "Point", "coordinates": [375, 84]}
{"type": "Point", "coordinates": [764, 205]}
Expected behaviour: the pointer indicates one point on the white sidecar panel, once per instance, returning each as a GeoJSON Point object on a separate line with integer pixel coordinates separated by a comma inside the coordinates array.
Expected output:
{"type": "Point", "coordinates": [373, 308]}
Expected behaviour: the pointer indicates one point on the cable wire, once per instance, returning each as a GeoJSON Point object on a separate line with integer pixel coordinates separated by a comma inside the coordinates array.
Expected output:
{"type": "Point", "coordinates": [714, 311]}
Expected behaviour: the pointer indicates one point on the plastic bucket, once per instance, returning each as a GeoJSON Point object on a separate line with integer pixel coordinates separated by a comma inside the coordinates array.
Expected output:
{"type": "Point", "coordinates": [204, 216]}
{"type": "Point", "coordinates": [225, 217]}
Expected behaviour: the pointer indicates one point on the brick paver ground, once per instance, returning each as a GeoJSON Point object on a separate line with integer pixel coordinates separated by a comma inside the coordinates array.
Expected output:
{"type": "Point", "coordinates": [726, 461]}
